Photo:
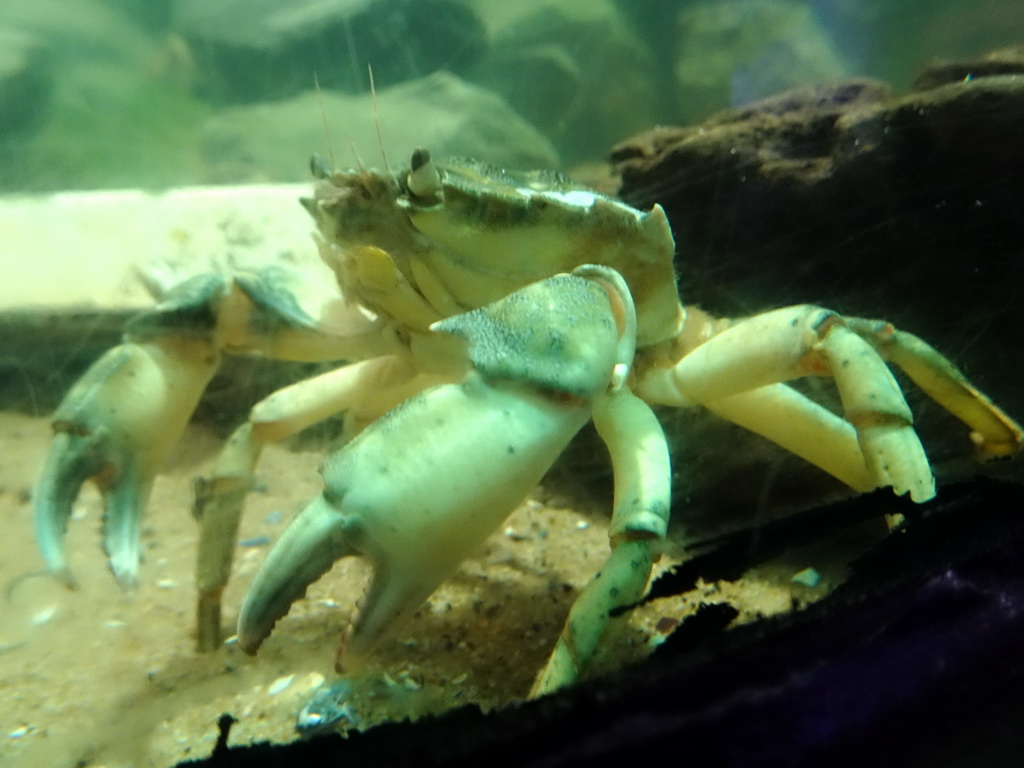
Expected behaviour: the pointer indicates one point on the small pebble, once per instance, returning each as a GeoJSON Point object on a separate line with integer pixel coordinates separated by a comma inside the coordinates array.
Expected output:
{"type": "Point", "coordinates": [17, 733]}
{"type": "Point", "coordinates": [809, 577]}
{"type": "Point", "coordinates": [314, 681]}
{"type": "Point", "coordinates": [409, 684]}
{"type": "Point", "coordinates": [42, 617]}
{"type": "Point", "coordinates": [255, 541]}
{"type": "Point", "coordinates": [513, 534]}
{"type": "Point", "coordinates": [582, 525]}
{"type": "Point", "coordinates": [166, 584]}
{"type": "Point", "coordinates": [280, 684]}
{"type": "Point", "coordinates": [329, 706]}
{"type": "Point", "coordinates": [666, 624]}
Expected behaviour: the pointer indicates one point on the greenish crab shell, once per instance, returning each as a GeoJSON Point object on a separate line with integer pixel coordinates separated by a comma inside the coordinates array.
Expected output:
{"type": "Point", "coordinates": [558, 335]}
{"type": "Point", "coordinates": [483, 232]}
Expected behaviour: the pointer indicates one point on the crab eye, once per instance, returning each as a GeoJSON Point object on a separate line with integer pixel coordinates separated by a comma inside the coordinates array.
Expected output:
{"type": "Point", "coordinates": [423, 179]}
{"type": "Point", "coordinates": [320, 167]}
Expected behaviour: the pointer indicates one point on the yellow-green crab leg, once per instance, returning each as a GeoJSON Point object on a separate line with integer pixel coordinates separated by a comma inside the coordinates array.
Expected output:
{"type": "Point", "coordinates": [805, 340]}
{"type": "Point", "coordinates": [993, 433]}
{"type": "Point", "coordinates": [736, 374]}
{"type": "Point", "coordinates": [220, 497]}
{"type": "Point", "coordinates": [642, 474]}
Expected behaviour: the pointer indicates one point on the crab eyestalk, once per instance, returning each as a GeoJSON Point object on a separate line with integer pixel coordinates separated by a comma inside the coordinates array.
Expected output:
{"type": "Point", "coordinates": [423, 180]}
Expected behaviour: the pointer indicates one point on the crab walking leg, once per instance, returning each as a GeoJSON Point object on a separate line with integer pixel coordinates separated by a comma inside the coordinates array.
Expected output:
{"type": "Point", "coordinates": [802, 341]}
{"type": "Point", "coordinates": [994, 433]}
{"type": "Point", "coordinates": [642, 472]}
{"type": "Point", "coordinates": [116, 426]}
{"type": "Point", "coordinates": [802, 427]}
{"type": "Point", "coordinates": [874, 404]}
{"type": "Point", "coordinates": [220, 498]}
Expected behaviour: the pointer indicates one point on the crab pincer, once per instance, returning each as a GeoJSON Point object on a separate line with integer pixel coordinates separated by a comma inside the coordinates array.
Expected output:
{"type": "Point", "coordinates": [539, 359]}
{"type": "Point", "coordinates": [116, 427]}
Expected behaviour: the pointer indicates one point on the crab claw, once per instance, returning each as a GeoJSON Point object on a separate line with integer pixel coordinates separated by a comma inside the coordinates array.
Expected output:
{"type": "Point", "coordinates": [116, 427]}
{"type": "Point", "coordinates": [307, 549]}
{"type": "Point", "coordinates": [421, 488]}
{"type": "Point", "coordinates": [416, 507]}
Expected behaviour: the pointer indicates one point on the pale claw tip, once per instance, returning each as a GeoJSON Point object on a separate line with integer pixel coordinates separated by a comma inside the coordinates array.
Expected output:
{"type": "Point", "coordinates": [306, 550]}
{"type": "Point", "coordinates": [250, 638]}
{"type": "Point", "coordinates": [65, 577]}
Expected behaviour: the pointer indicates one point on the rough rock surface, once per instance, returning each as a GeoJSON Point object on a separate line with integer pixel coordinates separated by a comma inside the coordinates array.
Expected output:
{"type": "Point", "coordinates": [907, 208]}
{"type": "Point", "coordinates": [1007, 61]}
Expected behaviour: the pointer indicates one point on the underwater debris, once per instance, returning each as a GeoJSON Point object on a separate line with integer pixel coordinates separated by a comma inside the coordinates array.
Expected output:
{"type": "Point", "coordinates": [354, 704]}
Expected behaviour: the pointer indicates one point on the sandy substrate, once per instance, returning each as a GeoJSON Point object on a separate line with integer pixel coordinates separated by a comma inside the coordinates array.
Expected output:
{"type": "Point", "coordinates": [100, 677]}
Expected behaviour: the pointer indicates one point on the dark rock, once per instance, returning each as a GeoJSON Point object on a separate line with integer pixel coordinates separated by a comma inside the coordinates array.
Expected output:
{"type": "Point", "coordinates": [46, 46]}
{"type": "Point", "coordinates": [26, 83]}
{"type": "Point", "coordinates": [542, 80]}
{"type": "Point", "coordinates": [915, 662]}
{"type": "Point", "coordinates": [576, 71]}
{"type": "Point", "coordinates": [1008, 61]}
{"type": "Point", "coordinates": [905, 208]}
{"type": "Point", "coordinates": [821, 97]}
{"type": "Point", "coordinates": [118, 114]}
{"type": "Point", "coordinates": [257, 50]}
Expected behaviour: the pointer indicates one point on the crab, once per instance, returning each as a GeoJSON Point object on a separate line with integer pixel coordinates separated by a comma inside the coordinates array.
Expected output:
{"type": "Point", "coordinates": [483, 318]}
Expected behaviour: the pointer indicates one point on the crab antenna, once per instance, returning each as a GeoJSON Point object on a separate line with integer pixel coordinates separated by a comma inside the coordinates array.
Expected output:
{"type": "Point", "coordinates": [355, 154]}
{"type": "Point", "coordinates": [323, 118]}
{"type": "Point", "coordinates": [376, 124]}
